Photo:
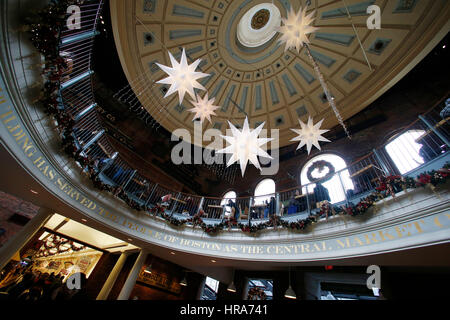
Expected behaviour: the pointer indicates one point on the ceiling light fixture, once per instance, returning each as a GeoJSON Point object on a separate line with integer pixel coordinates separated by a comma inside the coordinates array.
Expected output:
{"type": "Point", "coordinates": [204, 108]}
{"type": "Point", "coordinates": [184, 281]}
{"type": "Point", "coordinates": [245, 146]}
{"type": "Point", "coordinates": [290, 293]}
{"type": "Point", "coordinates": [34, 192]}
{"type": "Point", "coordinates": [149, 268]}
{"type": "Point", "coordinates": [231, 286]}
{"type": "Point", "coordinates": [182, 77]}
{"type": "Point", "coordinates": [310, 134]}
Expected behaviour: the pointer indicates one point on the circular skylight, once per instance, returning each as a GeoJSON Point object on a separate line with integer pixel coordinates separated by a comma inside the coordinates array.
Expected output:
{"type": "Point", "coordinates": [259, 25]}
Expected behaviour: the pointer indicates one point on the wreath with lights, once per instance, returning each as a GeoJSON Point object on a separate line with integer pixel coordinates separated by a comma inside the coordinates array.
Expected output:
{"type": "Point", "coordinates": [57, 245]}
{"type": "Point", "coordinates": [321, 165]}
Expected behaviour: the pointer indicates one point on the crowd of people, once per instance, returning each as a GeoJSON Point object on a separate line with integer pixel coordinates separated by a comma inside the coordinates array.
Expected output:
{"type": "Point", "coordinates": [28, 284]}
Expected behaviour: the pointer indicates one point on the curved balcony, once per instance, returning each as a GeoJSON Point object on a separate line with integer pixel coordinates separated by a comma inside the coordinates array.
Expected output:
{"type": "Point", "coordinates": [88, 178]}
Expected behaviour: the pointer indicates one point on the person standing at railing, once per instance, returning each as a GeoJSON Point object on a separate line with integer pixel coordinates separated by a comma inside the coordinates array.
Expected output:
{"type": "Point", "coordinates": [272, 206]}
{"type": "Point", "coordinates": [321, 195]}
{"type": "Point", "coordinates": [255, 211]}
{"type": "Point", "coordinates": [297, 203]}
{"type": "Point", "coordinates": [189, 206]}
{"type": "Point", "coordinates": [234, 209]}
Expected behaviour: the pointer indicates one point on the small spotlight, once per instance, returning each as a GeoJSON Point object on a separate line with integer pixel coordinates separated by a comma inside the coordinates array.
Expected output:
{"type": "Point", "coordinates": [231, 287]}
{"type": "Point", "coordinates": [290, 294]}
{"type": "Point", "coordinates": [213, 261]}
{"type": "Point", "coordinates": [148, 269]}
{"type": "Point", "coordinates": [84, 220]}
{"type": "Point", "coordinates": [444, 46]}
{"type": "Point", "coordinates": [172, 253]}
{"type": "Point", "coordinates": [34, 192]}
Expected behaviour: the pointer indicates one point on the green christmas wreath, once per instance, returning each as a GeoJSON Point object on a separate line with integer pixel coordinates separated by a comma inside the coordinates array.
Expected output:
{"type": "Point", "coordinates": [321, 165]}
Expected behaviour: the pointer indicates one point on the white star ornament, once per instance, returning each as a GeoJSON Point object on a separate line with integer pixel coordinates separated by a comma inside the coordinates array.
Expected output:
{"type": "Point", "coordinates": [204, 108]}
{"type": "Point", "coordinates": [310, 135]}
{"type": "Point", "coordinates": [182, 76]}
{"type": "Point", "coordinates": [245, 146]}
{"type": "Point", "coordinates": [296, 28]}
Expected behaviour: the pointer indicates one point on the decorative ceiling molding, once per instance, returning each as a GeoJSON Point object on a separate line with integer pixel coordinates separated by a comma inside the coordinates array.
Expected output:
{"type": "Point", "coordinates": [266, 82]}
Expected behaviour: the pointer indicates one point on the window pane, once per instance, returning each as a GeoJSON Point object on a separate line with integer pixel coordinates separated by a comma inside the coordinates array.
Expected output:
{"type": "Point", "coordinates": [260, 289]}
{"type": "Point", "coordinates": [231, 195]}
{"type": "Point", "coordinates": [405, 151]}
{"type": "Point", "coordinates": [264, 191]}
{"type": "Point", "coordinates": [210, 289]}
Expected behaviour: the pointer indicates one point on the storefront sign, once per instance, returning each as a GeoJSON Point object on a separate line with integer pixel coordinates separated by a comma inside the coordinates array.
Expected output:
{"type": "Point", "coordinates": [159, 280]}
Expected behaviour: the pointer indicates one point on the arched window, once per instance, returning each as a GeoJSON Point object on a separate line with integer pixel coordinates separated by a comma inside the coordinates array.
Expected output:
{"type": "Point", "coordinates": [406, 153]}
{"type": "Point", "coordinates": [230, 195]}
{"type": "Point", "coordinates": [335, 188]}
{"type": "Point", "coordinates": [264, 191]}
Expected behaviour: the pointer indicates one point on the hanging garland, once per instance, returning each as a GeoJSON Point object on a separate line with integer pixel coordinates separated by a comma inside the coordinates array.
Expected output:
{"type": "Point", "coordinates": [387, 187]}
{"type": "Point", "coordinates": [320, 165]}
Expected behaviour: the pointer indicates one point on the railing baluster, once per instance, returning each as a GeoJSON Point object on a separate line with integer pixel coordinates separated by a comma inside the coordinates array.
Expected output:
{"type": "Point", "coordinates": [84, 112]}
{"type": "Point", "coordinates": [435, 130]}
{"type": "Point", "coordinates": [79, 78]}
{"type": "Point", "coordinates": [93, 140]}
{"type": "Point", "coordinates": [79, 37]}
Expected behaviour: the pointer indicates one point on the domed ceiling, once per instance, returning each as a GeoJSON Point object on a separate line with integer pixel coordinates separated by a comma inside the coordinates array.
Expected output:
{"type": "Point", "coordinates": [252, 75]}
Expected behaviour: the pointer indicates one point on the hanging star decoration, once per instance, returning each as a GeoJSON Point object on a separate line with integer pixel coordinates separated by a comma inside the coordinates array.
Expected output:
{"type": "Point", "coordinates": [182, 76]}
{"type": "Point", "coordinates": [245, 146]}
{"type": "Point", "coordinates": [204, 108]}
{"type": "Point", "coordinates": [296, 28]}
{"type": "Point", "coordinates": [310, 134]}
